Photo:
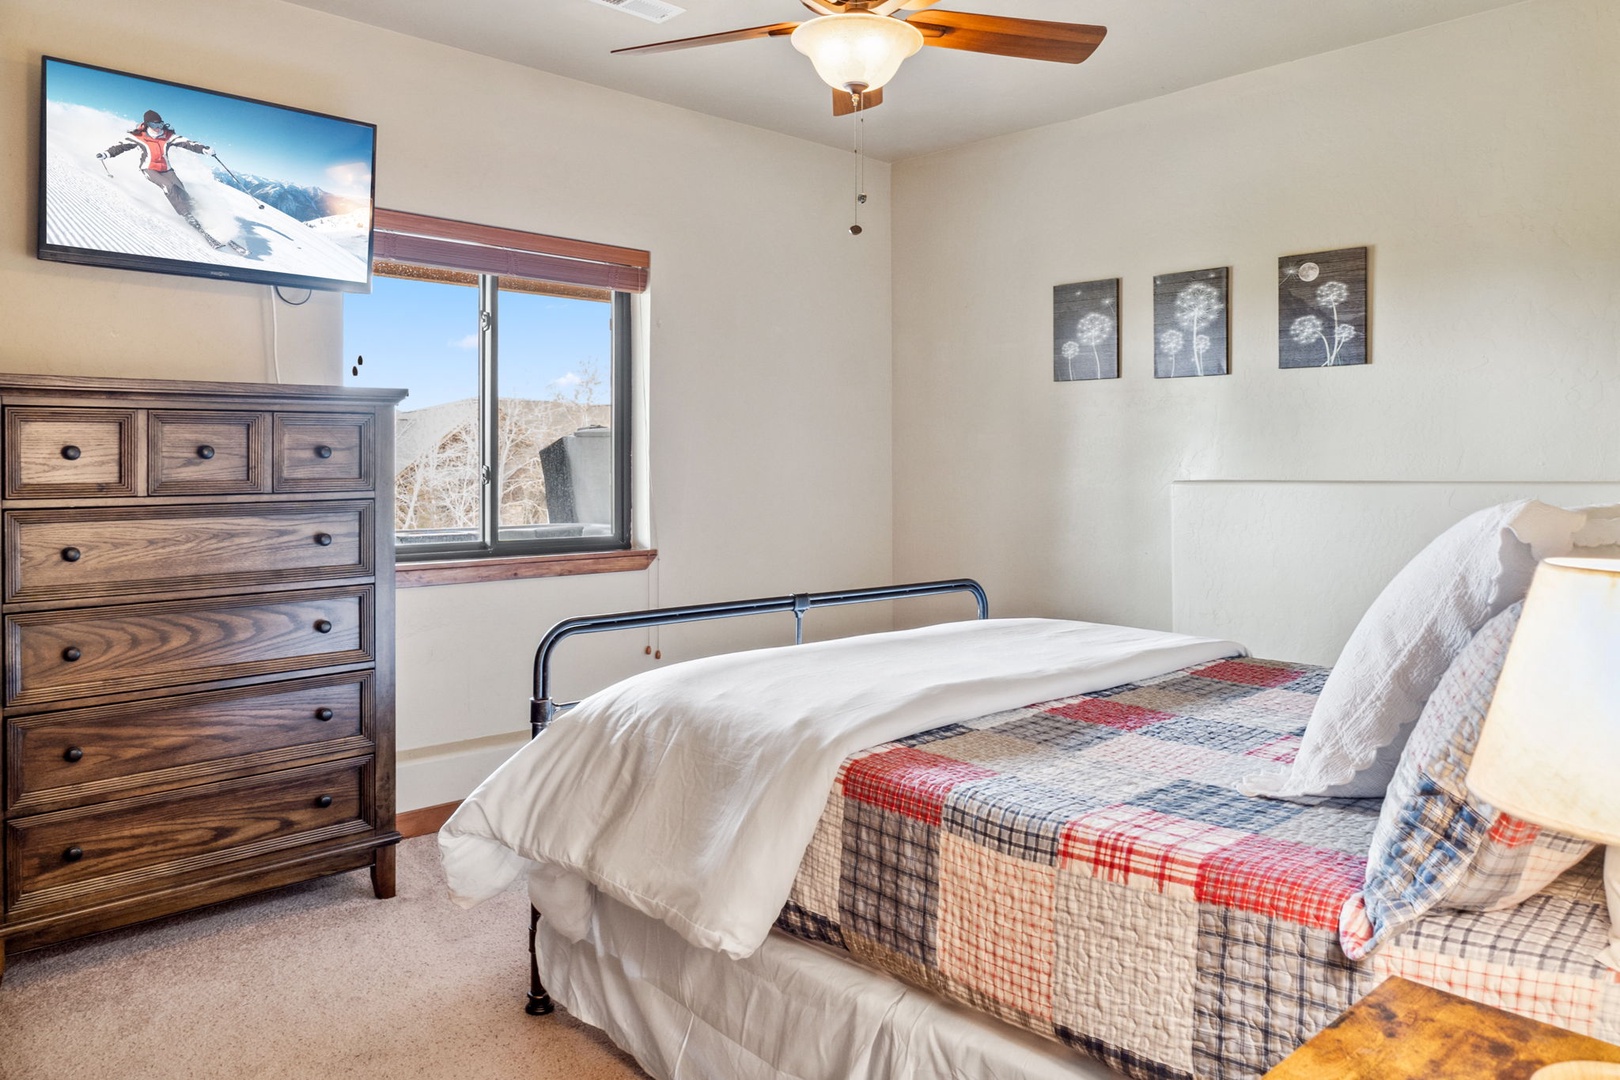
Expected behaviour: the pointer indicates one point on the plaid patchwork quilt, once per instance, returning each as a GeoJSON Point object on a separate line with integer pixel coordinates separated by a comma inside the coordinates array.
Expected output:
{"type": "Point", "coordinates": [1085, 869]}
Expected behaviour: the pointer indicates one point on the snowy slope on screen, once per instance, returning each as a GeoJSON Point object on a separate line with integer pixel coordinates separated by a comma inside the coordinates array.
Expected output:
{"type": "Point", "coordinates": [127, 214]}
{"type": "Point", "coordinates": [349, 230]}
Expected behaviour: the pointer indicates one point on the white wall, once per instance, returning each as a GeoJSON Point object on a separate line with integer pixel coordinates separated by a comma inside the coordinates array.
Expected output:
{"type": "Point", "coordinates": [1477, 159]}
{"type": "Point", "coordinates": [1289, 567]}
{"type": "Point", "coordinates": [768, 449]}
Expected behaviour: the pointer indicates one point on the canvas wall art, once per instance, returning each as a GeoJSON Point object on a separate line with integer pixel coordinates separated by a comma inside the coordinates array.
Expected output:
{"type": "Point", "coordinates": [1322, 309]}
{"type": "Point", "coordinates": [1085, 330]}
{"type": "Point", "coordinates": [1190, 324]}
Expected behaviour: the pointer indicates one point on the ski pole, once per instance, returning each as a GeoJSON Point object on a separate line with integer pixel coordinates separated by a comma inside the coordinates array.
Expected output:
{"type": "Point", "coordinates": [104, 166]}
{"type": "Point", "coordinates": [224, 166]}
{"type": "Point", "coordinates": [238, 179]}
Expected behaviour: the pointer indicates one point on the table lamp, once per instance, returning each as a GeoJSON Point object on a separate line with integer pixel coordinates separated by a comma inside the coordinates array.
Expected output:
{"type": "Point", "coordinates": [1549, 752]}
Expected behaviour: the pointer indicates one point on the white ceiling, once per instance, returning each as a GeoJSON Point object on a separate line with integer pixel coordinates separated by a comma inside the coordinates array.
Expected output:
{"type": "Point", "coordinates": [941, 97]}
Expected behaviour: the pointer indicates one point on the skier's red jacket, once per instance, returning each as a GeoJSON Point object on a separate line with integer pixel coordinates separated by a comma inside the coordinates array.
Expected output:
{"type": "Point", "coordinates": [154, 152]}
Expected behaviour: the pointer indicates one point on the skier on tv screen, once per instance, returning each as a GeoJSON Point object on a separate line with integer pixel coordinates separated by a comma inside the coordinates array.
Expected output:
{"type": "Point", "coordinates": [154, 139]}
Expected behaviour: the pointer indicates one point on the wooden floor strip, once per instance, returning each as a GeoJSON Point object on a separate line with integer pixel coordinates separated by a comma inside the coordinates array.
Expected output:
{"type": "Point", "coordinates": [426, 820]}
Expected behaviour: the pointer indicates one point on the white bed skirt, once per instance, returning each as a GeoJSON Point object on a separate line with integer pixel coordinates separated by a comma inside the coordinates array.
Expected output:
{"type": "Point", "coordinates": [791, 1011]}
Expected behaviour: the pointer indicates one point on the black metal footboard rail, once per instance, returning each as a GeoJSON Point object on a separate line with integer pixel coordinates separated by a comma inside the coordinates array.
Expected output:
{"type": "Point", "coordinates": [542, 709]}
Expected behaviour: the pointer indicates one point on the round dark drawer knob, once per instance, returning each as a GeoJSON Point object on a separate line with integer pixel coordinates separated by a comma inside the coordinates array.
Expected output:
{"type": "Point", "coordinates": [323, 714]}
{"type": "Point", "coordinates": [205, 451]}
{"type": "Point", "coordinates": [71, 554]}
{"type": "Point", "coordinates": [71, 453]}
{"type": "Point", "coordinates": [323, 539]}
{"type": "Point", "coordinates": [324, 801]}
{"type": "Point", "coordinates": [73, 753]}
{"type": "Point", "coordinates": [71, 653]}
{"type": "Point", "coordinates": [73, 854]}
{"type": "Point", "coordinates": [322, 626]}
{"type": "Point", "coordinates": [323, 451]}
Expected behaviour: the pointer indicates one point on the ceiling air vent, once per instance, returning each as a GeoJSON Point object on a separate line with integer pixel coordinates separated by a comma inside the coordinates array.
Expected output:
{"type": "Point", "coordinates": [652, 10]}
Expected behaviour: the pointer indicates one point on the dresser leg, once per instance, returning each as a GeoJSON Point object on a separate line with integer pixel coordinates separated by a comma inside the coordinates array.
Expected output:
{"type": "Point", "coordinates": [2, 959]}
{"type": "Point", "coordinates": [382, 872]}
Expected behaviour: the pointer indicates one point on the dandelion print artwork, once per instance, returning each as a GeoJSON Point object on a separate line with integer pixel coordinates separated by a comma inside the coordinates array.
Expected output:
{"type": "Point", "coordinates": [1322, 309]}
{"type": "Point", "coordinates": [1189, 324]}
{"type": "Point", "coordinates": [1085, 330]}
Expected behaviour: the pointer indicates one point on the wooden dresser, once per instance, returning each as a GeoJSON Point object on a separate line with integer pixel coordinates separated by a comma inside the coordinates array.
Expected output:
{"type": "Point", "coordinates": [198, 646]}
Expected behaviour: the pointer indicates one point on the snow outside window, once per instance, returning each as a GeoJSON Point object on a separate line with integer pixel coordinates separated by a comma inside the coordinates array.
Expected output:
{"type": "Point", "coordinates": [512, 440]}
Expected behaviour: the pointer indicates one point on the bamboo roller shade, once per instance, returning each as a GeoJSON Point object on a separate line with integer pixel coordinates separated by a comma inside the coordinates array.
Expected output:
{"type": "Point", "coordinates": [418, 239]}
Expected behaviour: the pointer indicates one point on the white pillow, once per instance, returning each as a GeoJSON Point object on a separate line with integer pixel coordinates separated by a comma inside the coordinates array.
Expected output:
{"type": "Point", "coordinates": [1424, 617]}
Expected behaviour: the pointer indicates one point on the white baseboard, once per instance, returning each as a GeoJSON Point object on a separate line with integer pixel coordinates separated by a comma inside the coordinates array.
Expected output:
{"type": "Point", "coordinates": [431, 775]}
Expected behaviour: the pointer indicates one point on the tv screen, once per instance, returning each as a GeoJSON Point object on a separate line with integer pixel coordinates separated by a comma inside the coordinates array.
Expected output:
{"type": "Point", "coordinates": [144, 174]}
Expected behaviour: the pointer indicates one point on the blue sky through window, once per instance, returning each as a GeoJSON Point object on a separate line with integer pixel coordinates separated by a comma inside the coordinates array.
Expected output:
{"type": "Point", "coordinates": [423, 336]}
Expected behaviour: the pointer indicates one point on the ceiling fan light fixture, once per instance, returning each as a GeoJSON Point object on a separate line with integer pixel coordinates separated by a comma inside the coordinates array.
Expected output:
{"type": "Point", "coordinates": [856, 51]}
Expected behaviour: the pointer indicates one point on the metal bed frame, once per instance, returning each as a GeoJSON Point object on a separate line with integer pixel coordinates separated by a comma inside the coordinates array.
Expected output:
{"type": "Point", "coordinates": [542, 709]}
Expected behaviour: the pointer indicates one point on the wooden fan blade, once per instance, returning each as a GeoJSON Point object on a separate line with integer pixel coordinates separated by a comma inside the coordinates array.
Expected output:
{"type": "Point", "coordinates": [844, 103]}
{"type": "Point", "coordinates": [773, 30]}
{"type": "Point", "coordinates": [1032, 39]}
{"type": "Point", "coordinates": [889, 7]}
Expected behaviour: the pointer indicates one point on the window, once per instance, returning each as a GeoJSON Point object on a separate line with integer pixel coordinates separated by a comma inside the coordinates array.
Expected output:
{"type": "Point", "coordinates": [515, 437]}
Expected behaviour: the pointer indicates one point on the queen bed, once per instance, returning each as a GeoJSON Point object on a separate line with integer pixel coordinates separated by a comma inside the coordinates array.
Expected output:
{"type": "Point", "coordinates": [995, 848]}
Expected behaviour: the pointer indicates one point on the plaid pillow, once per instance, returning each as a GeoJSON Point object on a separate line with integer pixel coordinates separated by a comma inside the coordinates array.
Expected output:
{"type": "Point", "coordinates": [1437, 844]}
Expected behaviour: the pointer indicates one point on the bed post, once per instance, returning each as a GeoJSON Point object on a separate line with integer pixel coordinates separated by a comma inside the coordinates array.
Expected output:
{"type": "Point", "coordinates": [539, 1003]}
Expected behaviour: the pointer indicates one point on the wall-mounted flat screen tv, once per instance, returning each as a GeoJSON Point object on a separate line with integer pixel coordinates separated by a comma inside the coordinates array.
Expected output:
{"type": "Point", "coordinates": [145, 174]}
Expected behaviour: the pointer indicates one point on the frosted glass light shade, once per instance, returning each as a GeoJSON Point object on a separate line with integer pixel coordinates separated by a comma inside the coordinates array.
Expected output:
{"type": "Point", "coordinates": [857, 51]}
{"type": "Point", "coordinates": [1550, 749]}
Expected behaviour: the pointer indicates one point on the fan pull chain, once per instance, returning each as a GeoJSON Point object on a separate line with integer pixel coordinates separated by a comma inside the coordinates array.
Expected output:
{"type": "Point", "coordinates": [860, 162]}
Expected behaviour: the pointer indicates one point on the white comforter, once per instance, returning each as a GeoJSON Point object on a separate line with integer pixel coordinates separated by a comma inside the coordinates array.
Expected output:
{"type": "Point", "coordinates": [691, 792]}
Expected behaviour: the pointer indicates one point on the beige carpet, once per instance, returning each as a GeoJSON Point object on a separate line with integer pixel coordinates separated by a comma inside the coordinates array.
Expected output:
{"type": "Point", "coordinates": [318, 980]}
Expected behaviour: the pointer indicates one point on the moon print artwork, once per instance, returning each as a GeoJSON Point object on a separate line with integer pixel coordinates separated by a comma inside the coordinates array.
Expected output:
{"type": "Point", "coordinates": [1322, 309]}
{"type": "Point", "coordinates": [1085, 330]}
{"type": "Point", "coordinates": [1189, 324]}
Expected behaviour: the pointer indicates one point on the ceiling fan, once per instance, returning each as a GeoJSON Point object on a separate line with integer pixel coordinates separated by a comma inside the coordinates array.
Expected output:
{"type": "Point", "coordinates": [858, 45]}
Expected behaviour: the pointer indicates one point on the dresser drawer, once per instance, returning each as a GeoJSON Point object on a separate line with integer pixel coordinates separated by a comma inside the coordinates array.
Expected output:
{"type": "Point", "coordinates": [324, 452]}
{"type": "Point", "coordinates": [206, 453]}
{"type": "Point", "coordinates": [85, 755]}
{"type": "Point", "coordinates": [70, 453]}
{"type": "Point", "coordinates": [125, 844]}
{"type": "Point", "coordinates": [75, 554]}
{"type": "Point", "coordinates": [99, 652]}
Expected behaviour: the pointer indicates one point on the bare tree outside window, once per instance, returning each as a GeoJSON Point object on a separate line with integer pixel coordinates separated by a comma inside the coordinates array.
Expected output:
{"type": "Point", "coordinates": [538, 463]}
{"type": "Point", "coordinates": [528, 427]}
{"type": "Point", "coordinates": [441, 486]}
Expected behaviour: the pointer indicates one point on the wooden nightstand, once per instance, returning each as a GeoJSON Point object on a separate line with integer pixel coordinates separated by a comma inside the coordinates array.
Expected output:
{"type": "Point", "coordinates": [1404, 1031]}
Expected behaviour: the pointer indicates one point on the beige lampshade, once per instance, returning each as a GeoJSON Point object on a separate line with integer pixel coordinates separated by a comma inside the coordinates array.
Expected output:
{"type": "Point", "coordinates": [1550, 749]}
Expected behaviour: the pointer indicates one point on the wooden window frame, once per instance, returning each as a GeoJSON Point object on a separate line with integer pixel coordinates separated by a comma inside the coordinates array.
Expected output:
{"type": "Point", "coordinates": [502, 260]}
{"type": "Point", "coordinates": [415, 575]}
